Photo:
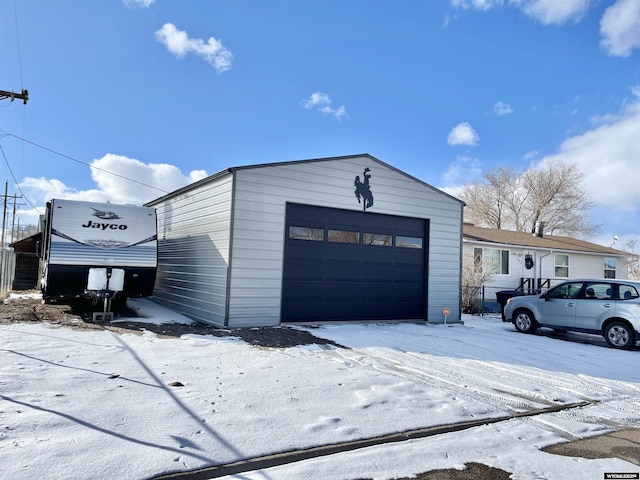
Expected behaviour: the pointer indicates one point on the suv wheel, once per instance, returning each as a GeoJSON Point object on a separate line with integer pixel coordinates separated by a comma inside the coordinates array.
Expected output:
{"type": "Point", "coordinates": [524, 321]}
{"type": "Point", "coordinates": [619, 335]}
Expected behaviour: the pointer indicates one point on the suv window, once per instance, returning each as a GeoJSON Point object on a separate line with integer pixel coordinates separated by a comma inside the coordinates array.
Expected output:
{"type": "Point", "coordinates": [628, 291]}
{"type": "Point", "coordinates": [566, 290]}
{"type": "Point", "coordinates": [597, 291]}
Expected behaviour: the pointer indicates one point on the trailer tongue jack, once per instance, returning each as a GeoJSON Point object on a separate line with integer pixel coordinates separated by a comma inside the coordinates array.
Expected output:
{"type": "Point", "coordinates": [104, 283]}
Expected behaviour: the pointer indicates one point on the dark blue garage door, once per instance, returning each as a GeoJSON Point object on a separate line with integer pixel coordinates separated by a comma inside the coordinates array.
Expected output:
{"type": "Point", "coordinates": [348, 265]}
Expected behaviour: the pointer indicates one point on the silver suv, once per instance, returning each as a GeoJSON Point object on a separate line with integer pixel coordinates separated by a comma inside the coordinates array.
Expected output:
{"type": "Point", "coordinates": [610, 308]}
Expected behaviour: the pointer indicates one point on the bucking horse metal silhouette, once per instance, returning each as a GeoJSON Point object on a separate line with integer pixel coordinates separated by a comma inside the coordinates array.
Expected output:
{"type": "Point", "coordinates": [363, 190]}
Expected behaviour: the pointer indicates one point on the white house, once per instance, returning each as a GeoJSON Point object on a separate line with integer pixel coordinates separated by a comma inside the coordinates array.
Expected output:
{"type": "Point", "coordinates": [331, 239]}
{"type": "Point", "coordinates": [520, 260]}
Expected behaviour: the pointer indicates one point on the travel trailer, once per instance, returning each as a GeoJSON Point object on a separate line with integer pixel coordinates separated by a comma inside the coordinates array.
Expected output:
{"type": "Point", "coordinates": [97, 250]}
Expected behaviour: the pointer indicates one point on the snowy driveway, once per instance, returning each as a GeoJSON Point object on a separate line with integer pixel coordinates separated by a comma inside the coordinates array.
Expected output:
{"type": "Point", "coordinates": [101, 405]}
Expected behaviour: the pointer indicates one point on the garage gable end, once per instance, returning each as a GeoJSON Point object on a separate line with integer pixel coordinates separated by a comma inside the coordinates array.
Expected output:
{"type": "Point", "coordinates": [262, 195]}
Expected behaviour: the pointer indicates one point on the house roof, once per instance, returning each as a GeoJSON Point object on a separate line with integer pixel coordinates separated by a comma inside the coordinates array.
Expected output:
{"type": "Point", "coordinates": [30, 239]}
{"type": "Point", "coordinates": [523, 239]}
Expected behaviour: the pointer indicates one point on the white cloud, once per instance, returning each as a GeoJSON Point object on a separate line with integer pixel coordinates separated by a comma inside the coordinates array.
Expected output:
{"type": "Point", "coordinates": [161, 176]}
{"type": "Point", "coordinates": [138, 3]}
{"type": "Point", "coordinates": [620, 28]}
{"type": "Point", "coordinates": [619, 25]}
{"type": "Point", "coordinates": [179, 43]}
{"type": "Point", "coordinates": [476, 4]}
{"type": "Point", "coordinates": [549, 12]}
{"type": "Point", "coordinates": [317, 99]}
{"type": "Point", "coordinates": [546, 12]}
{"type": "Point", "coordinates": [463, 170]}
{"type": "Point", "coordinates": [608, 155]}
{"type": "Point", "coordinates": [43, 189]}
{"type": "Point", "coordinates": [339, 113]}
{"type": "Point", "coordinates": [111, 175]}
{"type": "Point", "coordinates": [463, 134]}
{"type": "Point", "coordinates": [501, 108]}
{"type": "Point", "coordinates": [322, 102]}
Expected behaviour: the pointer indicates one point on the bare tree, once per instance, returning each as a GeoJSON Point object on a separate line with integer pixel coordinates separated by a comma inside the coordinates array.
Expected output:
{"type": "Point", "coordinates": [557, 197]}
{"type": "Point", "coordinates": [632, 260]}
{"type": "Point", "coordinates": [23, 231]}
{"type": "Point", "coordinates": [551, 192]}
{"type": "Point", "coordinates": [496, 195]}
{"type": "Point", "coordinates": [473, 278]}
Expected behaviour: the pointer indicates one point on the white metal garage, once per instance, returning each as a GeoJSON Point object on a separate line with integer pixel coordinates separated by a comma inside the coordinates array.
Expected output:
{"type": "Point", "coordinates": [343, 238]}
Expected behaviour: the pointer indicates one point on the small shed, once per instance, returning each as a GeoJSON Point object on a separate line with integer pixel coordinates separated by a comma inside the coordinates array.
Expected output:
{"type": "Point", "coordinates": [332, 239]}
{"type": "Point", "coordinates": [27, 262]}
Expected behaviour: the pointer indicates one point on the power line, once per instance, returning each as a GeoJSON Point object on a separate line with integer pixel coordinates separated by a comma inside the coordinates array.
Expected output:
{"type": "Point", "coordinates": [15, 17]}
{"type": "Point", "coordinates": [80, 161]}
{"type": "Point", "coordinates": [24, 96]}
{"type": "Point", "coordinates": [24, 110]}
{"type": "Point", "coordinates": [16, 182]}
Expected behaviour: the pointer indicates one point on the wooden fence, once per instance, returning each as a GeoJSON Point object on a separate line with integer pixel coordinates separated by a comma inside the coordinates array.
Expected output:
{"type": "Point", "coordinates": [7, 271]}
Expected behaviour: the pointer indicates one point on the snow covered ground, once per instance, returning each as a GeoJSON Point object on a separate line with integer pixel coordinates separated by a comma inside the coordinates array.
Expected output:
{"type": "Point", "coordinates": [98, 405]}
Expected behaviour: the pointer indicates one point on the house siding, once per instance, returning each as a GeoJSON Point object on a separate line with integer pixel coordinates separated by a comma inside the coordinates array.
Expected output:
{"type": "Point", "coordinates": [581, 265]}
{"type": "Point", "coordinates": [193, 250]}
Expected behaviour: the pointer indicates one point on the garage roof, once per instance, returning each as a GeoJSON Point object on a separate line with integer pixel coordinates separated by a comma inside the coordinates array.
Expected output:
{"type": "Point", "coordinates": [231, 170]}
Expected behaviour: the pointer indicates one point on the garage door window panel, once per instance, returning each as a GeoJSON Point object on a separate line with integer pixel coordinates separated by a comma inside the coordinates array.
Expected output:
{"type": "Point", "coordinates": [343, 236]}
{"type": "Point", "coordinates": [306, 233]}
{"type": "Point", "coordinates": [409, 242]}
{"type": "Point", "coordinates": [377, 239]}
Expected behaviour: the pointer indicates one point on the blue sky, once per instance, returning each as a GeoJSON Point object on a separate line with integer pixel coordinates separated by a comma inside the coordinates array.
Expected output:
{"type": "Point", "coordinates": [166, 92]}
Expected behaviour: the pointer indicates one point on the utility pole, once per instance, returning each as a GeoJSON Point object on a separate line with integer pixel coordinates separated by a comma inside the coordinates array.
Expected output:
{"type": "Point", "coordinates": [5, 200]}
{"type": "Point", "coordinates": [24, 96]}
{"type": "Point", "coordinates": [13, 220]}
{"type": "Point", "coordinates": [4, 212]}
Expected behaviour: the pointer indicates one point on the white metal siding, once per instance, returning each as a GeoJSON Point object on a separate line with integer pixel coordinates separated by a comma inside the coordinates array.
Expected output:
{"type": "Point", "coordinates": [259, 218]}
{"type": "Point", "coordinates": [193, 250]}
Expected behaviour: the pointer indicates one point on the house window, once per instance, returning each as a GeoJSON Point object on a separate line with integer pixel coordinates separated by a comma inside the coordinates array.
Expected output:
{"type": "Point", "coordinates": [491, 261]}
{"type": "Point", "coordinates": [562, 265]}
{"type": "Point", "coordinates": [609, 267]}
